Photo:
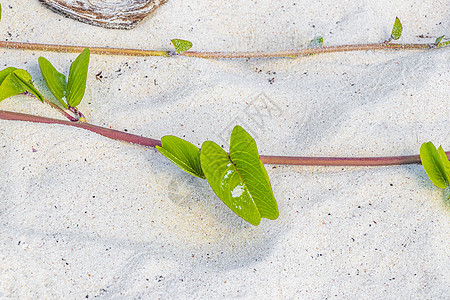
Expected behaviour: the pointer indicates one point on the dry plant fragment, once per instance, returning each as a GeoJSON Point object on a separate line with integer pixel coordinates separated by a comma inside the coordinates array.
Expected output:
{"type": "Point", "coordinates": [118, 14]}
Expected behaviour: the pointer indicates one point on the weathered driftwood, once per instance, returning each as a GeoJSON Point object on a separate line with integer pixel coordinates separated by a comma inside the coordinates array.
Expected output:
{"type": "Point", "coordinates": [119, 14]}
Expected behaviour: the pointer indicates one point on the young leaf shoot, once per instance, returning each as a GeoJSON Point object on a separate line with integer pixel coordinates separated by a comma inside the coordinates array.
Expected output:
{"type": "Point", "coordinates": [183, 154]}
{"type": "Point", "coordinates": [436, 164]}
{"type": "Point", "coordinates": [68, 93]}
{"type": "Point", "coordinates": [181, 45]}
{"type": "Point", "coordinates": [15, 81]}
{"type": "Point", "coordinates": [397, 29]}
{"type": "Point", "coordinates": [240, 179]}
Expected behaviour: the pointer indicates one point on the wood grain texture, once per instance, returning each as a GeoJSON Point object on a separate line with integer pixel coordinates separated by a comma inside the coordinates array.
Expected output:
{"type": "Point", "coordinates": [118, 14]}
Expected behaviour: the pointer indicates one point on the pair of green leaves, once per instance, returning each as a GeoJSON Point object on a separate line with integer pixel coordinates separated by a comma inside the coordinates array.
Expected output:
{"type": "Point", "coordinates": [439, 43]}
{"type": "Point", "coordinates": [436, 164]}
{"type": "Point", "coordinates": [71, 92]}
{"type": "Point", "coordinates": [239, 179]}
{"type": "Point", "coordinates": [15, 81]}
{"type": "Point", "coordinates": [397, 33]}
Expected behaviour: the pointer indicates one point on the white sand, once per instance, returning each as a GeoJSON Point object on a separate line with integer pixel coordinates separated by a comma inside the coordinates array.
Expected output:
{"type": "Point", "coordinates": [85, 216]}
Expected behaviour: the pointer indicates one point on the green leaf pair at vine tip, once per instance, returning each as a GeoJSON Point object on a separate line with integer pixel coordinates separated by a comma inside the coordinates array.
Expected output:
{"type": "Point", "coordinates": [239, 179]}
{"type": "Point", "coordinates": [439, 43]}
{"type": "Point", "coordinates": [436, 164]}
{"type": "Point", "coordinates": [71, 92]}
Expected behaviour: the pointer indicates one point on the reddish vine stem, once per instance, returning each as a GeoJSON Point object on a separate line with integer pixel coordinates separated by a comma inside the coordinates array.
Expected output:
{"type": "Point", "coordinates": [277, 160]}
{"type": "Point", "coordinates": [252, 54]}
{"type": "Point", "coordinates": [110, 133]}
{"type": "Point", "coordinates": [341, 161]}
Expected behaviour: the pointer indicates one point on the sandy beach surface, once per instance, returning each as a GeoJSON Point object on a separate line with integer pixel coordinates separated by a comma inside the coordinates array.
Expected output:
{"type": "Point", "coordinates": [84, 216]}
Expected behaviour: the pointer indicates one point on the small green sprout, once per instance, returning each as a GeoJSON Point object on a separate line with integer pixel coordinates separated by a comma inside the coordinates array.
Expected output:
{"type": "Point", "coordinates": [316, 42]}
{"type": "Point", "coordinates": [438, 42]}
{"type": "Point", "coordinates": [181, 45]}
{"type": "Point", "coordinates": [239, 179]}
{"type": "Point", "coordinates": [71, 92]}
{"type": "Point", "coordinates": [397, 29]}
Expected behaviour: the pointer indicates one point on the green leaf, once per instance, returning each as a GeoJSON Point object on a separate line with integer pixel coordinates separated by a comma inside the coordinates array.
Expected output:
{"type": "Point", "coordinates": [183, 154]}
{"type": "Point", "coordinates": [76, 84]}
{"type": "Point", "coordinates": [5, 72]}
{"type": "Point", "coordinates": [15, 81]}
{"type": "Point", "coordinates": [397, 29]}
{"type": "Point", "coordinates": [0, 11]}
{"type": "Point", "coordinates": [56, 82]}
{"type": "Point", "coordinates": [244, 154]}
{"type": "Point", "coordinates": [181, 45]}
{"type": "Point", "coordinates": [316, 42]}
{"type": "Point", "coordinates": [445, 162]}
{"type": "Point", "coordinates": [25, 79]}
{"type": "Point", "coordinates": [240, 179]}
{"type": "Point", "coordinates": [438, 40]}
{"type": "Point", "coordinates": [225, 181]}
{"type": "Point", "coordinates": [444, 44]}
{"type": "Point", "coordinates": [433, 164]}
{"type": "Point", "coordinates": [9, 85]}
